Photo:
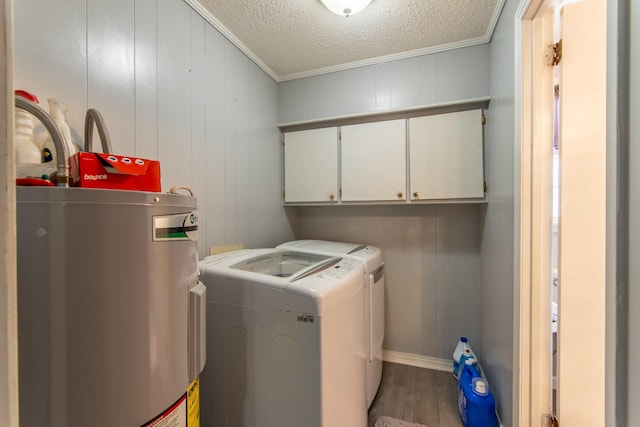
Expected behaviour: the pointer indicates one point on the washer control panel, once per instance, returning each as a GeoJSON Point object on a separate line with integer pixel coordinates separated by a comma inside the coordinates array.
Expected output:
{"type": "Point", "coordinates": [339, 271]}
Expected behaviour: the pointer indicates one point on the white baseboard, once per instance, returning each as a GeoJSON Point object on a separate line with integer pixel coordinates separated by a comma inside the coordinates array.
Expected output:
{"type": "Point", "coordinates": [418, 360]}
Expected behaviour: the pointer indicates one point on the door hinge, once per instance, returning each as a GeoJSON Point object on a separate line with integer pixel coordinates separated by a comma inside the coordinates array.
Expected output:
{"type": "Point", "coordinates": [484, 186]}
{"type": "Point", "coordinates": [484, 118]}
{"type": "Point", "coordinates": [341, 192]}
{"type": "Point", "coordinates": [554, 56]}
{"type": "Point", "coordinates": [549, 420]}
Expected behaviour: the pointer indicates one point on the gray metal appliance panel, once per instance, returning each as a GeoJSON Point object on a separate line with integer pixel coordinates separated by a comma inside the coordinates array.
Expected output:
{"type": "Point", "coordinates": [103, 309]}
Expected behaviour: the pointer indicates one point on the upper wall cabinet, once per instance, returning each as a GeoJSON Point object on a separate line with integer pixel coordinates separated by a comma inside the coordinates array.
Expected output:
{"type": "Point", "coordinates": [311, 165]}
{"type": "Point", "coordinates": [426, 155]}
{"type": "Point", "coordinates": [373, 163]}
{"type": "Point", "coordinates": [445, 156]}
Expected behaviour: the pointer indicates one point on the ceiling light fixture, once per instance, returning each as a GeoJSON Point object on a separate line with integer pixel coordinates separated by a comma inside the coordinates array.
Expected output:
{"type": "Point", "coordinates": [346, 7]}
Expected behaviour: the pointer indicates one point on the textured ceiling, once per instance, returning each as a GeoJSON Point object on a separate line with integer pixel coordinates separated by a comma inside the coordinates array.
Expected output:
{"type": "Point", "coordinates": [298, 38]}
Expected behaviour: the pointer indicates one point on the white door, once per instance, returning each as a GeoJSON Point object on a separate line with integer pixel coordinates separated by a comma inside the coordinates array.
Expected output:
{"type": "Point", "coordinates": [582, 220]}
{"type": "Point", "coordinates": [582, 226]}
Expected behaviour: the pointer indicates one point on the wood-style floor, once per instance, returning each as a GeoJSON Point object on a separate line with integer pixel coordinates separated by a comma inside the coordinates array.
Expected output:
{"type": "Point", "coordinates": [417, 395]}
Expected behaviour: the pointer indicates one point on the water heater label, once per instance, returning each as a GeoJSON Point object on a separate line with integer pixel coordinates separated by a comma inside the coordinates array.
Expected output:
{"type": "Point", "coordinates": [184, 413]}
{"type": "Point", "coordinates": [175, 416]}
{"type": "Point", "coordinates": [193, 404]}
{"type": "Point", "coordinates": [176, 227]}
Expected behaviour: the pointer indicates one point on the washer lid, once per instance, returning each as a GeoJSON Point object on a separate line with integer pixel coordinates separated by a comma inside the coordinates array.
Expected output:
{"type": "Point", "coordinates": [322, 246]}
{"type": "Point", "coordinates": [370, 256]}
{"type": "Point", "coordinates": [310, 288]}
{"type": "Point", "coordinates": [288, 264]}
{"type": "Point", "coordinates": [224, 256]}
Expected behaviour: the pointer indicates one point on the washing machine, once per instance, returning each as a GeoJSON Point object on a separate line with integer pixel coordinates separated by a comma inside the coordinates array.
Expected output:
{"type": "Point", "coordinates": [285, 340]}
{"type": "Point", "coordinates": [371, 257]}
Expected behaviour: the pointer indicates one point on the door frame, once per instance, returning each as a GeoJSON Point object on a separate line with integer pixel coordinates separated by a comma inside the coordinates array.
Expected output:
{"type": "Point", "coordinates": [534, 30]}
{"type": "Point", "coordinates": [8, 276]}
{"type": "Point", "coordinates": [533, 347]}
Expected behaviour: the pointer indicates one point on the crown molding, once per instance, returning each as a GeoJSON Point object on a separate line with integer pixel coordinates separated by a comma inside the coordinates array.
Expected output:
{"type": "Point", "coordinates": [202, 11]}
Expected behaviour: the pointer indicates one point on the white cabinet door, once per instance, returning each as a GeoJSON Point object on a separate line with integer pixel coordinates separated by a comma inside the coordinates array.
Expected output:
{"type": "Point", "coordinates": [374, 161]}
{"type": "Point", "coordinates": [445, 153]}
{"type": "Point", "coordinates": [311, 165]}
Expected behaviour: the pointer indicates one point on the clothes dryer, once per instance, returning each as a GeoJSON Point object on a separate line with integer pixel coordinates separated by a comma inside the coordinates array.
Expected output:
{"type": "Point", "coordinates": [371, 257]}
{"type": "Point", "coordinates": [285, 340]}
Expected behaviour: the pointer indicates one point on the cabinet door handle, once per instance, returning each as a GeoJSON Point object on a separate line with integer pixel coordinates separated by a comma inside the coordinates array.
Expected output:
{"type": "Point", "coordinates": [331, 197]}
{"type": "Point", "coordinates": [416, 195]}
{"type": "Point", "coordinates": [400, 195]}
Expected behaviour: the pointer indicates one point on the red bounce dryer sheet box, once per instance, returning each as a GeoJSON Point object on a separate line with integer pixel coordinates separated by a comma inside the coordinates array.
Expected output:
{"type": "Point", "coordinates": [99, 170]}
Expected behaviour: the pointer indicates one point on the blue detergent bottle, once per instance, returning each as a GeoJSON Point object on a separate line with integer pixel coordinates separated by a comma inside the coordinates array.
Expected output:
{"type": "Point", "coordinates": [476, 404]}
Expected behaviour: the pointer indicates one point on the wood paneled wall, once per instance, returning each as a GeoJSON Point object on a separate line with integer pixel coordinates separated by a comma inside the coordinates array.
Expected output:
{"type": "Point", "coordinates": [500, 245]}
{"type": "Point", "coordinates": [170, 87]}
{"type": "Point", "coordinates": [634, 216]}
{"type": "Point", "coordinates": [432, 268]}
{"type": "Point", "coordinates": [443, 77]}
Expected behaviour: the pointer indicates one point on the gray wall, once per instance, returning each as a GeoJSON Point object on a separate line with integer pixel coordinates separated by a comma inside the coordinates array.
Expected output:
{"type": "Point", "coordinates": [432, 253]}
{"type": "Point", "coordinates": [432, 268]}
{"type": "Point", "coordinates": [499, 314]}
{"type": "Point", "coordinates": [172, 88]}
{"type": "Point", "coordinates": [634, 218]}
{"type": "Point", "coordinates": [424, 80]}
